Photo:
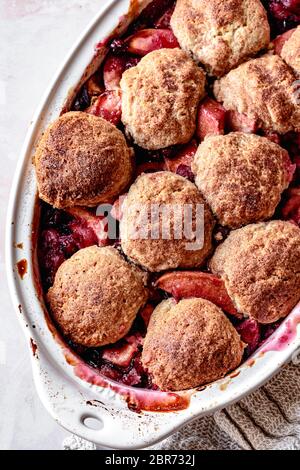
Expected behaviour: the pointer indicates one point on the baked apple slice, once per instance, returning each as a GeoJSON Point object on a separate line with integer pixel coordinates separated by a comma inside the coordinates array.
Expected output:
{"type": "Point", "coordinates": [117, 209]}
{"type": "Point", "coordinates": [108, 106]}
{"type": "Point", "coordinates": [211, 119]}
{"type": "Point", "coordinates": [120, 356]}
{"type": "Point", "coordinates": [281, 40]}
{"type": "Point", "coordinates": [113, 70]}
{"type": "Point", "coordinates": [184, 156]}
{"type": "Point", "coordinates": [148, 40]}
{"type": "Point", "coordinates": [182, 161]}
{"type": "Point", "coordinates": [82, 236]}
{"type": "Point", "coordinates": [122, 353]}
{"type": "Point", "coordinates": [89, 226]}
{"type": "Point", "coordinates": [189, 284]}
{"type": "Point", "coordinates": [114, 67]}
{"type": "Point", "coordinates": [237, 122]}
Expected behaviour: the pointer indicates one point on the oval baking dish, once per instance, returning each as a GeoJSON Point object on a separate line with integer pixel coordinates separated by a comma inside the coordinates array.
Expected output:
{"type": "Point", "coordinates": [72, 392]}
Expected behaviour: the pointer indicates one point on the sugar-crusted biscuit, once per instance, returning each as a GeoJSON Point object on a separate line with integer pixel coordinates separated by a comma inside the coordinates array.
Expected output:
{"type": "Point", "coordinates": [221, 34]}
{"type": "Point", "coordinates": [263, 89]}
{"type": "Point", "coordinates": [162, 248]}
{"type": "Point", "coordinates": [260, 265]}
{"type": "Point", "coordinates": [242, 177]}
{"type": "Point", "coordinates": [96, 296]}
{"type": "Point", "coordinates": [82, 160]}
{"type": "Point", "coordinates": [160, 97]}
{"type": "Point", "coordinates": [190, 343]}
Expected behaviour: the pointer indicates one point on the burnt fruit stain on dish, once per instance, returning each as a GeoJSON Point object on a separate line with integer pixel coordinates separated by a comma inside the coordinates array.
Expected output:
{"type": "Point", "coordinates": [33, 347]}
{"type": "Point", "coordinates": [22, 267]}
{"type": "Point", "coordinates": [20, 246]}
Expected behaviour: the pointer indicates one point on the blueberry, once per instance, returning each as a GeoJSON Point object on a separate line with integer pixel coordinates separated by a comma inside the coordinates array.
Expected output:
{"type": "Point", "coordinates": [82, 100]}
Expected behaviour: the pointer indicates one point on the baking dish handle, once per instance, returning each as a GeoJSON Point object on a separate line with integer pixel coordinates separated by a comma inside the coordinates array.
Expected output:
{"type": "Point", "coordinates": [81, 411]}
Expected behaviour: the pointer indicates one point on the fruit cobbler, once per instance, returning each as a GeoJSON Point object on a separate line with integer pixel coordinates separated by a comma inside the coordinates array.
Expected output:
{"type": "Point", "coordinates": [197, 104]}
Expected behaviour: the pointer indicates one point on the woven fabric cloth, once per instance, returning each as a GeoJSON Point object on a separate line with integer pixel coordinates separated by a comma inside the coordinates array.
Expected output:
{"type": "Point", "coordinates": [268, 419]}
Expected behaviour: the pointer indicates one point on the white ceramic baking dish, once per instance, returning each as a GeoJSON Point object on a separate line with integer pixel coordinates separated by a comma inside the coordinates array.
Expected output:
{"type": "Point", "coordinates": [70, 391]}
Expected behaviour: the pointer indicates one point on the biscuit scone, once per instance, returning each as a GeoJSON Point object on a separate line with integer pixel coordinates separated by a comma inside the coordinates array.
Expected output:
{"type": "Point", "coordinates": [221, 33]}
{"type": "Point", "coordinates": [190, 343]}
{"type": "Point", "coordinates": [96, 296]}
{"type": "Point", "coordinates": [242, 177]}
{"type": "Point", "coordinates": [160, 97]}
{"type": "Point", "coordinates": [82, 160]}
{"type": "Point", "coordinates": [260, 265]}
{"type": "Point", "coordinates": [291, 51]}
{"type": "Point", "coordinates": [166, 224]}
{"type": "Point", "coordinates": [262, 89]}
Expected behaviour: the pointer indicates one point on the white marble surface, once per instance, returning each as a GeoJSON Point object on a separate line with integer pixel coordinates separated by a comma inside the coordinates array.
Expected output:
{"type": "Point", "coordinates": [35, 35]}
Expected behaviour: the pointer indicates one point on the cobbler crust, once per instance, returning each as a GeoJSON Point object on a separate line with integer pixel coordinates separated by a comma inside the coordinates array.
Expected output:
{"type": "Point", "coordinates": [189, 344]}
{"type": "Point", "coordinates": [161, 254]}
{"type": "Point", "coordinates": [291, 51]}
{"type": "Point", "coordinates": [221, 33]}
{"type": "Point", "coordinates": [82, 160]}
{"type": "Point", "coordinates": [160, 97]}
{"type": "Point", "coordinates": [96, 296]}
{"type": "Point", "coordinates": [260, 265]}
{"type": "Point", "coordinates": [263, 90]}
{"type": "Point", "coordinates": [241, 176]}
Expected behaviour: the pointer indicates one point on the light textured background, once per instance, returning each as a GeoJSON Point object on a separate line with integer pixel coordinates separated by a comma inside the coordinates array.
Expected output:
{"type": "Point", "coordinates": [35, 35]}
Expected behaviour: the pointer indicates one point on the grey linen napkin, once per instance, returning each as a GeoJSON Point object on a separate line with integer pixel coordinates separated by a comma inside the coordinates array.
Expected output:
{"type": "Point", "coordinates": [268, 419]}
